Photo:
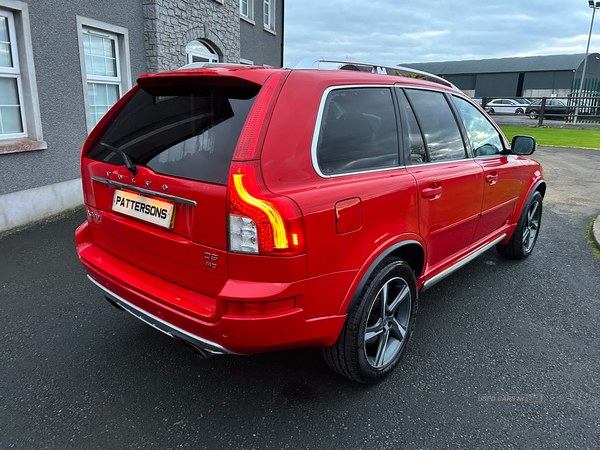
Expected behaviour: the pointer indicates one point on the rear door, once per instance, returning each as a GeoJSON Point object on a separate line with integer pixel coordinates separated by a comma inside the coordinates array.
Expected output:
{"type": "Point", "coordinates": [450, 185]}
{"type": "Point", "coordinates": [168, 218]}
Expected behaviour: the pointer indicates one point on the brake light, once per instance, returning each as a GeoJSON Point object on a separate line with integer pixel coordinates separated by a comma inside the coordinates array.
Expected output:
{"type": "Point", "coordinates": [247, 145]}
{"type": "Point", "coordinates": [261, 222]}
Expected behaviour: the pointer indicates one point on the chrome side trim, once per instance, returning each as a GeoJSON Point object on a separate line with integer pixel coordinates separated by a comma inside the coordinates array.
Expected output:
{"type": "Point", "coordinates": [173, 198]}
{"type": "Point", "coordinates": [164, 327]}
{"type": "Point", "coordinates": [443, 274]}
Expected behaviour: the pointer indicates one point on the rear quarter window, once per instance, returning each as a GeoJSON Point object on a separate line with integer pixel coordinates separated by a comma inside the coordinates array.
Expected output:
{"type": "Point", "coordinates": [183, 131]}
{"type": "Point", "coordinates": [358, 131]}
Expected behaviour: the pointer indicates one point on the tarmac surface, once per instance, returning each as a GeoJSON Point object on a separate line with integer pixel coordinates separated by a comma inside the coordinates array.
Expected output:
{"type": "Point", "coordinates": [505, 355]}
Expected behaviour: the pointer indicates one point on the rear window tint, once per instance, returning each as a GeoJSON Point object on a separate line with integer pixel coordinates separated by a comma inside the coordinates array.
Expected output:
{"type": "Point", "coordinates": [358, 131]}
{"type": "Point", "coordinates": [183, 131]}
{"type": "Point", "coordinates": [442, 135]}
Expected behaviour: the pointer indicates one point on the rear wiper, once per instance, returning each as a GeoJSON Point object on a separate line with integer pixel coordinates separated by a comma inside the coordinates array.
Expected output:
{"type": "Point", "coordinates": [133, 169]}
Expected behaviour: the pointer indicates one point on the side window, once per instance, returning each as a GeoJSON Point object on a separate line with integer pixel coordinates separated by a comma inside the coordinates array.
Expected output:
{"type": "Point", "coordinates": [483, 135]}
{"type": "Point", "coordinates": [415, 153]}
{"type": "Point", "coordinates": [358, 131]}
{"type": "Point", "coordinates": [442, 135]}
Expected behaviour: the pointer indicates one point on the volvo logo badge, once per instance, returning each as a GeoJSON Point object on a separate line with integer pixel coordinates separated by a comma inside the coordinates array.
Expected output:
{"type": "Point", "coordinates": [148, 183]}
{"type": "Point", "coordinates": [120, 177]}
{"type": "Point", "coordinates": [107, 173]}
{"type": "Point", "coordinates": [165, 187]}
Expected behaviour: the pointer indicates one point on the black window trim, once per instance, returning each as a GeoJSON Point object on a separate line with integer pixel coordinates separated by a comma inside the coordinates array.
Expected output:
{"type": "Point", "coordinates": [405, 127]}
{"type": "Point", "coordinates": [319, 119]}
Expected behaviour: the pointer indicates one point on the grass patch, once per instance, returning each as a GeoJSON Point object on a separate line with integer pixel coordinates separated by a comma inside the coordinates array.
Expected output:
{"type": "Point", "coordinates": [590, 239]}
{"type": "Point", "coordinates": [557, 136]}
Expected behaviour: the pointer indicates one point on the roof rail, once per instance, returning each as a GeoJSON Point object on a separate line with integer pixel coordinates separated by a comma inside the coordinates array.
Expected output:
{"type": "Point", "coordinates": [314, 62]}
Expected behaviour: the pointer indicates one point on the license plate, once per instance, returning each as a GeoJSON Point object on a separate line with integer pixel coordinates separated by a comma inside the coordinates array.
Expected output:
{"type": "Point", "coordinates": [144, 208]}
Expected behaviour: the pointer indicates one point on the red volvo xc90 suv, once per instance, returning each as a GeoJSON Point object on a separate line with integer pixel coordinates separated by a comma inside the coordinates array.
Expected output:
{"type": "Point", "coordinates": [244, 209]}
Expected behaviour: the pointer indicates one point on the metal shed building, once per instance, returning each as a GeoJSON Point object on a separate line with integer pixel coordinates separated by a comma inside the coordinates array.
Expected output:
{"type": "Point", "coordinates": [532, 76]}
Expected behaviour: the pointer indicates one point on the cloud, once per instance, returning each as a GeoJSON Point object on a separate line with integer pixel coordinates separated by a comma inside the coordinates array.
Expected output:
{"type": "Point", "coordinates": [395, 31]}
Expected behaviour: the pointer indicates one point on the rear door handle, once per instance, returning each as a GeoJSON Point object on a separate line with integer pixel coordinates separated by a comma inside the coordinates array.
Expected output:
{"type": "Point", "coordinates": [433, 191]}
{"type": "Point", "coordinates": [492, 178]}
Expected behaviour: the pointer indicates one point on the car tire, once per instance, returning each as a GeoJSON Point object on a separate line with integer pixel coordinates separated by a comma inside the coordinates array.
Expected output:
{"type": "Point", "coordinates": [533, 114]}
{"type": "Point", "coordinates": [374, 339]}
{"type": "Point", "coordinates": [519, 111]}
{"type": "Point", "coordinates": [491, 111]}
{"type": "Point", "coordinates": [523, 239]}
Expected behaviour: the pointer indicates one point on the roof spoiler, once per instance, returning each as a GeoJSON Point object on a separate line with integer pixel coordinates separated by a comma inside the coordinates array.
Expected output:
{"type": "Point", "coordinates": [314, 62]}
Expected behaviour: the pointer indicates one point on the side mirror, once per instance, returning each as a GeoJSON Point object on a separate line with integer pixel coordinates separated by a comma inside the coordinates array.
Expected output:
{"type": "Point", "coordinates": [523, 145]}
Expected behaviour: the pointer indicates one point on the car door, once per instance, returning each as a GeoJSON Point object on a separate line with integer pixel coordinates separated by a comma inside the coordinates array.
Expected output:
{"type": "Point", "coordinates": [503, 173]}
{"type": "Point", "coordinates": [449, 184]}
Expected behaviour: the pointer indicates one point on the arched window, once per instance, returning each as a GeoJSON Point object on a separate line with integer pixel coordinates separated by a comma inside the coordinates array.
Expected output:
{"type": "Point", "coordinates": [197, 51]}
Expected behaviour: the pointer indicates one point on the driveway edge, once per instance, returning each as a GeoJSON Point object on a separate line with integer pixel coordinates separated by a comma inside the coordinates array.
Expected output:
{"type": "Point", "coordinates": [596, 232]}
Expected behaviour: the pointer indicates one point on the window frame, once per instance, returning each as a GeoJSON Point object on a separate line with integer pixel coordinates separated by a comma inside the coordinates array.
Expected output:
{"type": "Point", "coordinates": [269, 9]}
{"type": "Point", "coordinates": [14, 72]}
{"type": "Point", "coordinates": [250, 16]}
{"type": "Point", "coordinates": [189, 54]}
{"type": "Point", "coordinates": [319, 120]}
{"type": "Point", "coordinates": [123, 78]}
{"type": "Point", "coordinates": [23, 70]}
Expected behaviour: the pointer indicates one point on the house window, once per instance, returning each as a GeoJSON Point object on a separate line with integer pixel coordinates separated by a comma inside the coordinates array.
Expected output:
{"type": "Point", "coordinates": [269, 15]}
{"type": "Point", "coordinates": [197, 51]}
{"type": "Point", "coordinates": [102, 72]}
{"type": "Point", "coordinates": [106, 73]}
{"type": "Point", "coordinates": [20, 123]}
{"type": "Point", "coordinates": [247, 10]}
{"type": "Point", "coordinates": [11, 114]}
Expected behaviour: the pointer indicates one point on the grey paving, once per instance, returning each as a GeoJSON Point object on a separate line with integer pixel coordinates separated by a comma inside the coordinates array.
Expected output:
{"type": "Point", "coordinates": [505, 355]}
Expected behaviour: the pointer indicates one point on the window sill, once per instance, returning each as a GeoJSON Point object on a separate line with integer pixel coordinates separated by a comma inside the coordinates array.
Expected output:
{"type": "Point", "coordinates": [247, 19]}
{"type": "Point", "coordinates": [270, 31]}
{"type": "Point", "coordinates": [21, 145]}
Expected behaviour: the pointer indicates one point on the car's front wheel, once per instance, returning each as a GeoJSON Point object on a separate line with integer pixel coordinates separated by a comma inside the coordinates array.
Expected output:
{"type": "Point", "coordinates": [533, 114]}
{"type": "Point", "coordinates": [526, 232]}
{"type": "Point", "coordinates": [519, 111]}
{"type": "Point", "coordinates": [379, 327]}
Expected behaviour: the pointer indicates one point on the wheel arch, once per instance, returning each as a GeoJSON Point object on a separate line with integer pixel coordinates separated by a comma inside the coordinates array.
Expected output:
{"type": "Point", "coordinates": [410, 250]}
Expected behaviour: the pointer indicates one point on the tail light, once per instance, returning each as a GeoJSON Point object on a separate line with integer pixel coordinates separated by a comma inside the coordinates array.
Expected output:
{"type": "Point", "coordinates": [261, 222]}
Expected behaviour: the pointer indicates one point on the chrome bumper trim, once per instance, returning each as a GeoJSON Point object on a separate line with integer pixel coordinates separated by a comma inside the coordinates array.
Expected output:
{"type": "Point", "coordinates": [164, 327]}
{"type": "Point", "coordinates": [443, 274]}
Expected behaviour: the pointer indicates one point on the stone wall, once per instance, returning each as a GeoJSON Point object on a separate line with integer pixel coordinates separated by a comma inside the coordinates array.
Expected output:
{"type": "Point", "coordinates": [169, 25]}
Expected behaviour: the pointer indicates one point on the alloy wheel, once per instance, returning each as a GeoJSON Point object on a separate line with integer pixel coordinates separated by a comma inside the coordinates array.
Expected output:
{"type": "Point", "coordinates": [387, 323]}
{"type": "Point", "coordinates": [532, 226]}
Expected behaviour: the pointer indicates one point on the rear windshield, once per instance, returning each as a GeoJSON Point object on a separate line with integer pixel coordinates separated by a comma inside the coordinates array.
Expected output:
{"type": "Point", "coordinates": [184, 131]}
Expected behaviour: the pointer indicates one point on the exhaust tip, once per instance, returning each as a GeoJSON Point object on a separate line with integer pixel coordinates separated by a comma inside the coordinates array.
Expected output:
{"type": "Point", "coordinates": [115, 304]}
{"type": "Point", "coordinates": [200, 352]}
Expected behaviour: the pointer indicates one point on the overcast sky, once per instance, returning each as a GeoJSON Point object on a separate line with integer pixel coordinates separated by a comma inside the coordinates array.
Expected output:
{"type": "Point", "coordinates": [404, 31]}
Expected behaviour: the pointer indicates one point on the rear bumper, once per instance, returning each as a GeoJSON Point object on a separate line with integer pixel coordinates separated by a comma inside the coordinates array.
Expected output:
{"type": "Point", "coordinates": [165, 306]}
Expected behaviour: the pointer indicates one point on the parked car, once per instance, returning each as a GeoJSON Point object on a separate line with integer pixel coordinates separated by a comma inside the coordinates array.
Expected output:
{"type": "Point", "coordinates": [250, 209]}
{"type": "Point", "coordinates": [506, 106]}
{"type": "Point", "coordinates": [553, 106]}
